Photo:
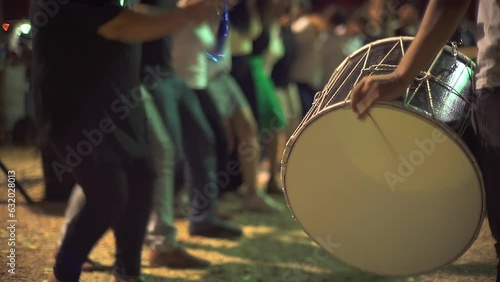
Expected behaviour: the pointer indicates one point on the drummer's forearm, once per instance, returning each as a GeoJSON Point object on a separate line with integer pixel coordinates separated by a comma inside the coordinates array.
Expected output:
{"type": "Point", "coordinates": [440, 21]}
{"type": "Point", "coordinates": [144, 24]}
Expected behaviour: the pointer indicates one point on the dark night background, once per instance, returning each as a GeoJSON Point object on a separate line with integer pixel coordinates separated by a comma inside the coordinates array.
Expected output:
{"type": "Point", "coordinates": [15, 9]}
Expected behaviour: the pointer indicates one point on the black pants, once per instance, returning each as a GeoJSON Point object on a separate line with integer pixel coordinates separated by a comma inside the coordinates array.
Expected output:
{"type": "Point", "coordinates": [307, 94]}
{"type": "Point", "coordinates": [57, 187]}
{"type": "Point", "coordinates": [486, 120]}
{"type": "Point", "coordinates": [241, 71]}
{"type": "Point", "coordinates": [116, 197]}
{"type": "Point", "coordinates": [215, 121]}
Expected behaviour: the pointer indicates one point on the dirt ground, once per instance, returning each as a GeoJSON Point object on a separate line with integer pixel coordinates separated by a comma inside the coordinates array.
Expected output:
{"type": "Point", "coordinates": [274, 249]}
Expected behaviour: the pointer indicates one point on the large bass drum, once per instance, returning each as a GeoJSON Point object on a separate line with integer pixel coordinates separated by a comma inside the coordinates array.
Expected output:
{"type": "Point", "coordinates": [398, 193]}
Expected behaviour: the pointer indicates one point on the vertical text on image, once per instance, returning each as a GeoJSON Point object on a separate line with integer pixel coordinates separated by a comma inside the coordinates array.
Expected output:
{"type": "Point", "coordinates": [11, 221]}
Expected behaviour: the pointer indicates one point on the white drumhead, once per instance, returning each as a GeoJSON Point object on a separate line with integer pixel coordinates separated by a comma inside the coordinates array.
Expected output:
{"type": "Point", "coordinates": [395, 194]}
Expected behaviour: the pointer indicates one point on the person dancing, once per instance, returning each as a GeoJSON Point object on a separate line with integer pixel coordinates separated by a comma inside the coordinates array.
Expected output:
{"type": "Point", "coordinates": [440, 20]}
{"type": "Point", "coordinates": [107, 150]}
{"type": "Point", "coordinates": [192, 134]}
{"type": "Point", "coordinates": [241, 127]}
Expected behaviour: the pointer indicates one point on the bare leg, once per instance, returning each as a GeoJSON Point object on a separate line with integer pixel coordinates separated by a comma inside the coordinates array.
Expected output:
{"type": "Point", "coordinates": [290, 102]}
{"type": "Point", "coordinates": [244, 126]}
{"type": "Point", "coordinates": [274, 156]}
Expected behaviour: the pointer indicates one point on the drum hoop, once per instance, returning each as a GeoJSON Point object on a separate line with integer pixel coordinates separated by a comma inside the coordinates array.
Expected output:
{"type": "Point", "coordinates": [405, 39]}
{"type": "Point", "coordinates": [399, 106]}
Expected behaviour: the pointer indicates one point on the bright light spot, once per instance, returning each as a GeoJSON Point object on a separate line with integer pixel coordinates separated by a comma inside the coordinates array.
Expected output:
{"type": "Point", "coordinates": [122, 2]}
{"type": "Point", "coordinates": [25, 28]}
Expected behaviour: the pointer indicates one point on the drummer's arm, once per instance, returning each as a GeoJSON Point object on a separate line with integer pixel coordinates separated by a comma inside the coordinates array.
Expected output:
{"type": "Point", "coordinates": [440, 21]}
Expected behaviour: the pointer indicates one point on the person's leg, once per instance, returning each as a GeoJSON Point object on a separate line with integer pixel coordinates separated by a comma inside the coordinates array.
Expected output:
{"type": "Point", "coordinates": [75, 204]}
{"type": "Point", "coordinates": [274, 157]}
{"type": "Point", "coordinates": [271, 120]}
{"type": "Point", "coordinates": [242, 126]}
{"type": "Point", "coordinates": [217, 125]}
{"type": "Point", "coordinates": [106, 196]}
{"type": "Point", "coordinates": [486, 119]}
{"type": "Point", "coordinates": [248, 155]}
{"type": "Point", "coordinates": [191, 133]}
{"type": "Point", "coordinates": [161, 231]}
{"type": "Point", "coordinates": [57, 188]}
{"type": "Point", "coordinates": [181, 110]}
{"type": "Point", "coordinates": [293, 98]}
{"type": "Point", "coordinates": [245, 128]}
{"type": "Point", "coordinates": [130, 229]}
{"type": "Point", "coordinates": [307, 97]}
{"type": "Point", "coordinates": [282, 95]}
{"type": "Point", "coordinates": [202, 166]}
{"type": "Point", "coordinates": [242, 74]}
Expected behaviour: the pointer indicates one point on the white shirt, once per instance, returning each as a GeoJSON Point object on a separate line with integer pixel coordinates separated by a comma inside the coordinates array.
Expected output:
{"type": "Point", "coordinates": [189, 54]}
{"type": "Point", "coordinates": [307, 67]}
{"type": "Point", "coordinates": [488, 43]}
{"type": "Point", "coordinates": [333, 55]}
{"type": "Point", "coordinates": [276, 49]}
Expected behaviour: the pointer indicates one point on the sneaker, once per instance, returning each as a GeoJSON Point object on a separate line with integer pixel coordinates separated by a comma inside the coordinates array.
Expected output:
{"type": "Point", "coordinates": [177, 258]}
{"type": "Point", "coordinates": [219, 230]}
{"type": "Point", "coordinates": [261, 204]}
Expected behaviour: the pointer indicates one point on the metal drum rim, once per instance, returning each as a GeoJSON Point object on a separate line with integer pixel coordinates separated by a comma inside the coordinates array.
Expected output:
{"type": "Point", "coordinates": [404, 39]}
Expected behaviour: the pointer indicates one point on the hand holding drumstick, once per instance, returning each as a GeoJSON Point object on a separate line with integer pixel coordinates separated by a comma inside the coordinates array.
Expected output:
{"type": "Point", "coordinates": [439, 23]}
{"type": "Point", "coordinates": [376, 88]}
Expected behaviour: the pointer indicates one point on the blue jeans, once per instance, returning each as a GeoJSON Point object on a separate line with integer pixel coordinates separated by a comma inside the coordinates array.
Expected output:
{"type": "Point", "coordinates": [194, 139]}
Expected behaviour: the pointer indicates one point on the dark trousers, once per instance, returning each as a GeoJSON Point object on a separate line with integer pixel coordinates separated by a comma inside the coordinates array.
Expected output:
{"type": "Point", "coordinates": [486, 120]}
{"type": "Point", "coordinates": [57, 188]}
{"type": "Point", "coordinates": [307, 94]}
{"type": "Point", "coordinates": [116, 197]}
{"type": "Point", "coordinates": [241, 71]}
{"type": "Point", "coordinates": [220, 133]}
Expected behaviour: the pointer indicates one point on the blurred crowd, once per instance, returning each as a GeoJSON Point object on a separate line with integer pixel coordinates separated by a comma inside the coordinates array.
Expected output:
{"type": "Point", "coordinates": [234, 102]}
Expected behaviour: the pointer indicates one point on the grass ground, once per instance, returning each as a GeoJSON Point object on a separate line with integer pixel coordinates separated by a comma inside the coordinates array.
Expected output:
{"type": "Point", "coordinates": [274, 249]}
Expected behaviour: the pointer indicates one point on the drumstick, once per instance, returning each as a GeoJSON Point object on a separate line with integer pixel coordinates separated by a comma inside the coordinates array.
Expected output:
{"type": "Point", "coordinates": [383, 135]}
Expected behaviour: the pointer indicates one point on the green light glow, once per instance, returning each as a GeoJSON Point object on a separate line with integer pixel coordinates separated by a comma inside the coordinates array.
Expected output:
{"type": "Point", "coordinates": [25, 28]}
